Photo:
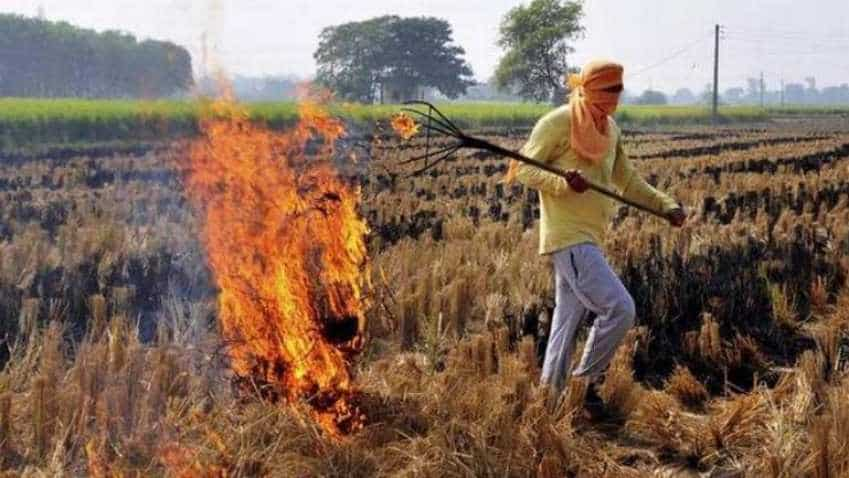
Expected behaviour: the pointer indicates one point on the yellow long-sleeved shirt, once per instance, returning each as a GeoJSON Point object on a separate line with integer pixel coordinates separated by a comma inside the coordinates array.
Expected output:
{"type": "Point", "coordinates": [567, 217]}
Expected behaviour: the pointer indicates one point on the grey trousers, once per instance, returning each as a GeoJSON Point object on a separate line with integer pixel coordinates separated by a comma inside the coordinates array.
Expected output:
{"type": "Point", "coordinates": [585, 283]}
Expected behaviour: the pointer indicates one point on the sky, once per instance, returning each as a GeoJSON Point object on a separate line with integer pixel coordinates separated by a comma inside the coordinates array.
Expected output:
{"type": "Point", "coordinates": [664, 44]}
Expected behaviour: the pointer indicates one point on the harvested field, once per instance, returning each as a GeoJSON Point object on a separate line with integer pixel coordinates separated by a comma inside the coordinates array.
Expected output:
{"type": "Point", "coordinates": [737, 367]}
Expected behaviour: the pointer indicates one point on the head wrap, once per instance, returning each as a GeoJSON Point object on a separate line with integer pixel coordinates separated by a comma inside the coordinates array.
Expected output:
{"type": "Point", "coordinates": [590, 107]}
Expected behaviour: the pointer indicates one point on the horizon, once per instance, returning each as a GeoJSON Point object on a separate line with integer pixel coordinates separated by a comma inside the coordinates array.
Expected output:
{"type": "Point", "coordinates": [676, 51]}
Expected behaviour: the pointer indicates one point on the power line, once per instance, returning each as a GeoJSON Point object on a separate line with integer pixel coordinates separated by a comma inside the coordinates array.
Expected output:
{"type": "Point", "coordinates": [767, 51]}
{"type": "Point", "coordinates": [784, 52]}
{"type": "Point", "coordinates": [795, 45]}
{"type": "Point", "coordinates": [669, 58]}
{"type": "Point", "coordinates": [814, 44]}
{"type": "Point", "coordinates": [797, 54]}
{"type": "Point", "coordinates": [789, 34]}
{"type": "Point", "coordinates": [778, 38]}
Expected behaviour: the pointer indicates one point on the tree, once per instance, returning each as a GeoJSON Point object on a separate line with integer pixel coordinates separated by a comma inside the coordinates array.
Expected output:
{"type": "Point", "coordinates": [41, 58]}
{"type": "Point", "coordinates": [488, 92]}
{"type": "Point", "coordinates": [734, 95]}
{"type": "Point", "coordinates": [835, 94]}
{"type": "Point", "coordinates": [247, 88]}
{"type": "Point", "coordinates": [684, 96]}
{"type": "Point", "coordinates": [537, 42]}
{"type": "Point", "coordinates": [350, 58]}
{"type": "Point", "coordinates": [394, 56]}
{"type": "Point", "coordinates": [753, 90]}
{"type": "Point", "coordinates": [652, 97]}
{"type": "Point", "coordinates": [422, 54]}
{"type": "Point", "coordinates": [707, 95]}
{"type": "Point", "coordinates": [794, 93]}
{"type": "Point", "coordinates": [811, 92]}
{"type": "Point", "coordinates": [626, 98]}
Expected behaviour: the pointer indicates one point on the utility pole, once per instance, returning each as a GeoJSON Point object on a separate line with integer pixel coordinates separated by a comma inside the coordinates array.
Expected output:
{"type": "Point", "coordinates": [716, 75]}
{"type": "Point", "coordinates": [762, 89]}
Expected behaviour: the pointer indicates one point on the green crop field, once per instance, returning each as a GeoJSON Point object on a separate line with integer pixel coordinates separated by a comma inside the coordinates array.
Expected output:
{"type": "Point", "coordinates": [34, 122]}
{"type": "Point", "coordinates": [25, 122]}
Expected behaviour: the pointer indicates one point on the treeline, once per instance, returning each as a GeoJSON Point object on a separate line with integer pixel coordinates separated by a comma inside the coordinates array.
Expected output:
{"type": "Point", "coordinates": [39, 58]}
{"type": "Point", "coordinates": [755, 94]}
{"type": "Point", "coordinates": [251, 89]}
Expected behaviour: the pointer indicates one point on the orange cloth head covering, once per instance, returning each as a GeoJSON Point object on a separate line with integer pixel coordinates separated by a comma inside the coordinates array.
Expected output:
{"type": "Point", "coordinates": [590, 106]}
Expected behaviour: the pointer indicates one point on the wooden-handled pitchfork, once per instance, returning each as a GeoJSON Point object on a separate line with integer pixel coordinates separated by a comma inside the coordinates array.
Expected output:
{"type": "Point", "coordinates": [436, 122]}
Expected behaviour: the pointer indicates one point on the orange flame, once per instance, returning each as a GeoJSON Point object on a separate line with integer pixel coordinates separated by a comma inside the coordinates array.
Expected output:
{"type": "Point", "coordinates": [181, 462]}
{"type": "Point", "coordinates": [287, 249]}
{"type": "Point", "coordinates": [404, 126]}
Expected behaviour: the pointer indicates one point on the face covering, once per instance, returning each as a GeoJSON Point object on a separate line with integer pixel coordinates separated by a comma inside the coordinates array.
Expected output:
{"type": "Point", "coordinates": [591, 106]}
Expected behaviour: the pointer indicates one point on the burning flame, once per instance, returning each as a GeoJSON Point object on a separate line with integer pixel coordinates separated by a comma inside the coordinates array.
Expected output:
{"type": "Point", "coordinates": [404, 126]}
{"type": "Point", "coordinates": [287, 249]}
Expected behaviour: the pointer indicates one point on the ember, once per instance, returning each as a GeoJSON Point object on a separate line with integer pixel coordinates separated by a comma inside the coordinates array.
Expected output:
{"type": "Point", "coordinates": [286, 246]}
{"type": "Point", "coordinates": [404, 126]}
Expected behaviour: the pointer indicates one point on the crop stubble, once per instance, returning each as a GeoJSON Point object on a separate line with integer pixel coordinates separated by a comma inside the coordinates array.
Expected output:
{"type": "Point", "coordinates": [737, 364]}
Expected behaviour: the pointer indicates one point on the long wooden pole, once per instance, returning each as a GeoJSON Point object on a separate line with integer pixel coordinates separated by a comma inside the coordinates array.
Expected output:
{"type": "Point", "coordinates": [448, 128]}
{"type": "Point", "coordinates": [472, 142]}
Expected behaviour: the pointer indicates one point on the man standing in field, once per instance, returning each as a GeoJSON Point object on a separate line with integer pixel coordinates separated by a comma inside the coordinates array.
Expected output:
{"type": "Point", "coordinates": [582, 138]}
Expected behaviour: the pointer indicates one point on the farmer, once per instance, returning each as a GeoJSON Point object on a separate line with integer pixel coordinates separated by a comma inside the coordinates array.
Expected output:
{"type": "Point", "coordinates": [582, 138]}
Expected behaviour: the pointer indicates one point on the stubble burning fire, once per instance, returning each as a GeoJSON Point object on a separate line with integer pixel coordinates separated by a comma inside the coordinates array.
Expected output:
{"type": "Point", "coordinates": [287, 248]}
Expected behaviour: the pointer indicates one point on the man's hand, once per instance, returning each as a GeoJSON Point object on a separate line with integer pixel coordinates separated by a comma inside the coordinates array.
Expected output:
{"type": "Point", "coordinates": [576, 181]}
{"type": "Point", "coordinates": [677, 216]}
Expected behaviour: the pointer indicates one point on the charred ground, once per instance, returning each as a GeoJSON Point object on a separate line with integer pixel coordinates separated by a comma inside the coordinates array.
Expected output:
{"type": "Point", "coordinates": [738, 364]}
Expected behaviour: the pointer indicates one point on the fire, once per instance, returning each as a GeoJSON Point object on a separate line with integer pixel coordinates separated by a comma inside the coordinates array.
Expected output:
{"type": "Point", "coordinates": [404, 126]}
{"type": "Point", "coordinates": [287, 248]}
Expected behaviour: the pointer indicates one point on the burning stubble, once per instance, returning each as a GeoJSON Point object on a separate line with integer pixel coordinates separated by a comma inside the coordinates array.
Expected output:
{"type": "Point", "coordinates": [287, 249]}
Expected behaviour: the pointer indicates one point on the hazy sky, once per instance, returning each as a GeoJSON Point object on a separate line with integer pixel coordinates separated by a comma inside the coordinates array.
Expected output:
{"type": "Point", "coordinates": [665, 44]}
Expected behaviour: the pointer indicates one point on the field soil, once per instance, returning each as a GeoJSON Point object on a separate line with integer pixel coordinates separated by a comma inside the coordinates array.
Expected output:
{"type": "Point", "coordinates": [113, 363]}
